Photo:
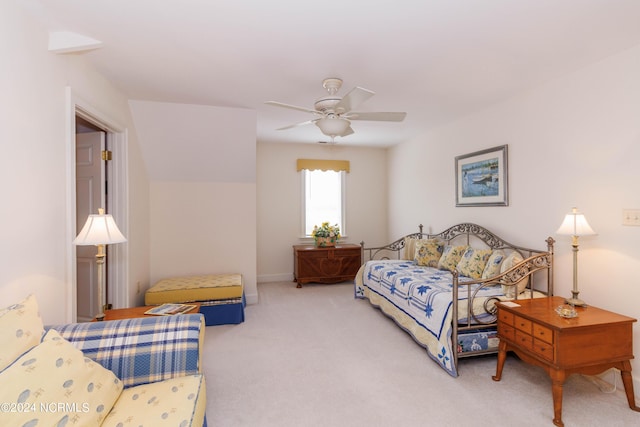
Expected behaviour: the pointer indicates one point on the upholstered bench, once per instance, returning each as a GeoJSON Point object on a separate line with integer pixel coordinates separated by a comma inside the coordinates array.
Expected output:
{"type": "Point", "coordinates": [221, 296]}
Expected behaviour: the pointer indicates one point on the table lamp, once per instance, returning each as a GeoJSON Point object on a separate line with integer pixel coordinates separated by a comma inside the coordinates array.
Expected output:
{"type": "Point", "coordinates": [100, 230]}
{"type": "Point", "coordinates": [575, 225]}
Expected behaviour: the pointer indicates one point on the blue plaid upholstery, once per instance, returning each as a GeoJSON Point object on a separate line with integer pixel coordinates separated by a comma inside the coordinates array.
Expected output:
{"type": "Point", "coordinates": [141, 350]}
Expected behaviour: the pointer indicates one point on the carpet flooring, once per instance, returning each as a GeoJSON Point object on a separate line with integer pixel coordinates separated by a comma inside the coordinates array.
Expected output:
{"type": "Point", "coordinates": [316, 356]}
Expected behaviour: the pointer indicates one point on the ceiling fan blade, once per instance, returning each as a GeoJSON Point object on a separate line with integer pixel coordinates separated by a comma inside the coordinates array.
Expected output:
{"type": "Point", "coordinates": [353, 99]}
{"type": "Point", "coordinates": [349, 131]}
{"type": "Point", "coordinates": [291, 107]}
{"type": "Point", "coordinates": [308, 122]}
{"type": "Point", "coordinates": [379, 116]}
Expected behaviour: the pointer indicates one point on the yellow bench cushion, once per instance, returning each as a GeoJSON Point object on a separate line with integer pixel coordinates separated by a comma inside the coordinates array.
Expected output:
{"type": "Point", "coordinates": [195, 288]}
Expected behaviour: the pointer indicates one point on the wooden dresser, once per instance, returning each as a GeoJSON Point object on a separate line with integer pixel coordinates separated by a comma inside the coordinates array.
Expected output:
{"type": "Point", "coordinates": [326, 265]}
{"type": "Point", "coordinates": [590, 343]}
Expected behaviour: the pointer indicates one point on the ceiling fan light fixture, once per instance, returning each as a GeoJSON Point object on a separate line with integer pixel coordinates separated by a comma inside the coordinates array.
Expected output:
{"type": "Point", "coordinates": [333, 126]}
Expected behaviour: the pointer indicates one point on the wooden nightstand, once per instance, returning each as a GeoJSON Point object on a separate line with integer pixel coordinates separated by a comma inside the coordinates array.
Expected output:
{"type": "Point", "coordinates": [589, 344]}
{"type": "Point", "coordinates": [326, 265]}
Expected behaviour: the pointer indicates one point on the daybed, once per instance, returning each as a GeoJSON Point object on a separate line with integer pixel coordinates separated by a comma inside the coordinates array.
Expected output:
{"type": "Point", "coordinates": [144, 371]}
{"type": "Point", "coordinates": [415, 279]}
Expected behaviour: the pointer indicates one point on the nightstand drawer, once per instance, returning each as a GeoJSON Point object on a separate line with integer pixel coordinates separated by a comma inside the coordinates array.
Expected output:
{"type": "Point", "coordinates": [545, 334]}
{"type": "Point", "coordinates": [524, 340]}
{"type": "Point", "coordinates": [522, 324]}
{"type": "Point", "coordinates": [505, 317]}
{"type": "Point", "coordinates": [507, 331]}
{"type": "Point", "coordinates": [543, 349]}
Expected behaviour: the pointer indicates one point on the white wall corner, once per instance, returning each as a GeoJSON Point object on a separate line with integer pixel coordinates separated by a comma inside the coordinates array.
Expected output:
{"type": "Point", "coordinates": [251, 299]}
{"type": "Point", "coordinates": [70, 42]}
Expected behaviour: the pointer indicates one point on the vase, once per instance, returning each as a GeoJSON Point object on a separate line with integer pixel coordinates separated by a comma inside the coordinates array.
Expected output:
{"type": "Point", "coordinates": [323, 242]}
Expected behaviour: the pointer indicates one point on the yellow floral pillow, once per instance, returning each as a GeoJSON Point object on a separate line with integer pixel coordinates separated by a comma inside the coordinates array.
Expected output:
{"type": "Point", "coordinates": [428, 252]}
{"type": "Point", "coordinates": [410, 247]}
{"type": "Point", "coordinates": [492, 269]}
{"type": "Point", "coordinates": [473, 262]}
{"type": "Point", "coordinates": [451, 257]}
{"type": "Point", "coordinates": [54, 384]}
{"type": "Point", "coordinates": [20, 330]}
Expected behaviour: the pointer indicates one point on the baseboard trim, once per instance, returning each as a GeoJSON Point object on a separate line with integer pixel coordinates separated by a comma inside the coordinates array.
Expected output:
{"type": "Point", "coordinates": [251, 299]}
{"type": "Point", "coordinates": [284, 277]}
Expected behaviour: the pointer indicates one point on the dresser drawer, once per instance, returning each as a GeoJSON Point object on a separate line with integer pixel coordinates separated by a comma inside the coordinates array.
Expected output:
{"type": "Point", "coordinates": [522, 324]}
{"type": "Point", "coordinates": [524, 340]}
{"type": "Point", "coordinates": [508, 332]}
{"type": "Point", "coordinates": [543, 333]}
{"type": "Point", "coordinates": [506, 317]}
{"type": "Point", "coordinates": [543, 349]}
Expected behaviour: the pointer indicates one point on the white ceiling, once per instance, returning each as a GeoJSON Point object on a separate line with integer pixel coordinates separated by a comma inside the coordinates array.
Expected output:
{"type": "Point", "coordinates": [435, 59]}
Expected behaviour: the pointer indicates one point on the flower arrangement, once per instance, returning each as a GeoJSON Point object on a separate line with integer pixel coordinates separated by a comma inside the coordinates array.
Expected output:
{"type": "Point", "coordinates": [326, 235]}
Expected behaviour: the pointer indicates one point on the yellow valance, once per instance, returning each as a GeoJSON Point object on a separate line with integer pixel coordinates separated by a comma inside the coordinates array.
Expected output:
{"type": "Point", "coordinates": [325, 165]}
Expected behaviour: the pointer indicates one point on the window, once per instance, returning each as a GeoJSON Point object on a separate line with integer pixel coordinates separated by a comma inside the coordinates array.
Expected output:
{"type": "Point", "coordinates": [323, 199]}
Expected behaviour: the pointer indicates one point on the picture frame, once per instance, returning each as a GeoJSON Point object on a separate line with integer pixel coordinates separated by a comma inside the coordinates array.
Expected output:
{"type": "Point", "coordinates": [482, 178]}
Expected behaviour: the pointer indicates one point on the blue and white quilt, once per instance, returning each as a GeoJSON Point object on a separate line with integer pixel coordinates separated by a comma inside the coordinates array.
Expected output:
{"type": "Point", "coordinates": [419, 299]}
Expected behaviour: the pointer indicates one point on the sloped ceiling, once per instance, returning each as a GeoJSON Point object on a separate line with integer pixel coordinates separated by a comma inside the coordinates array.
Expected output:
{"type": "Point", "coordinates": [435, 59]}
{"type": "Point", "coordinates": [198, 143]}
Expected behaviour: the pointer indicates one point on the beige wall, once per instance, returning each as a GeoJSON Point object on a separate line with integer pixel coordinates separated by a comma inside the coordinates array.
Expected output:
{"type": "Point", "coordinates": [204, 228]}
{"type": "Point", "coordinates": [572, 142]}
{"type": "Point", "coordinates": [279, 201]}
{"type": "Point", "coordinates": [202, 166]}
{"type": "Point", "coordinates": [35, 248]}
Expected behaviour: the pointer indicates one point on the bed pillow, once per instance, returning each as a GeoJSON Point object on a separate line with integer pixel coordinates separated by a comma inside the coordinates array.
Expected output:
{"type": "Point", "coordinates": [451, 257]}
{"type": "Point", "coordinates": [409, 244]}
{"type": "Point", "coordinates": [55, 373]}
{"type": "Point", "coordinates": [492, 269]}
{"type": "Point", "coordinates": [473, 262]}
{"type": "Point", "coordinates": [20, 330]}
{"type": "Point", "coordinates": [410, 247]}
{"type": "Point", "coordinates": [428, 252]}
{"type": "Point", "coordinates": [511, 260]}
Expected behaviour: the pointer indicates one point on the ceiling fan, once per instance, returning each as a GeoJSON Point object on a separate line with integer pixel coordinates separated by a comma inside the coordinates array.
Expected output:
{"type": "Point", "coordinates": [334, 113]}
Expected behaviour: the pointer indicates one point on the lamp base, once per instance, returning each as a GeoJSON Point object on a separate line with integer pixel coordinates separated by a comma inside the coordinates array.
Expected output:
{"type": "Point", "coordinates": [575, 302]}
{"type": "Point", "coordinates": [100, 317]}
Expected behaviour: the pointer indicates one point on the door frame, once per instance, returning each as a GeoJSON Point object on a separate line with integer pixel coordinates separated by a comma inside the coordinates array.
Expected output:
{"type": "Point", "coordinates": [117, 197]}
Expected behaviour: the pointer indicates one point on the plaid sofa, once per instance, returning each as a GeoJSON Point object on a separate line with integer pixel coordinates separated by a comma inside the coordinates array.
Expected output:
{"type": "Point", "coordinates": [143, 350]}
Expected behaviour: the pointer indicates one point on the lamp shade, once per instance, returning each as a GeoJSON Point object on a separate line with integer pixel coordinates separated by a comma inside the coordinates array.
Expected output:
{"type": "Point", "coordinates": [575, 224]}
{"type": "Point", "coordinates": [333, 126]}
{"type": "Point", "coordinates": [100, 229]}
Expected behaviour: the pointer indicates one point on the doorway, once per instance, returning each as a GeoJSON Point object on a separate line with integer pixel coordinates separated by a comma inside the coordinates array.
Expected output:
{"type": "Point", "coordinates": [112, 194]}
{"type": "Point", "coordinates": [91, 190]}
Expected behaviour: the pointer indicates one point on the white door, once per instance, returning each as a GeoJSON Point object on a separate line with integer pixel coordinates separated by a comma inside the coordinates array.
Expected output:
{"type": "Point", "coordinates": [90, 195]}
